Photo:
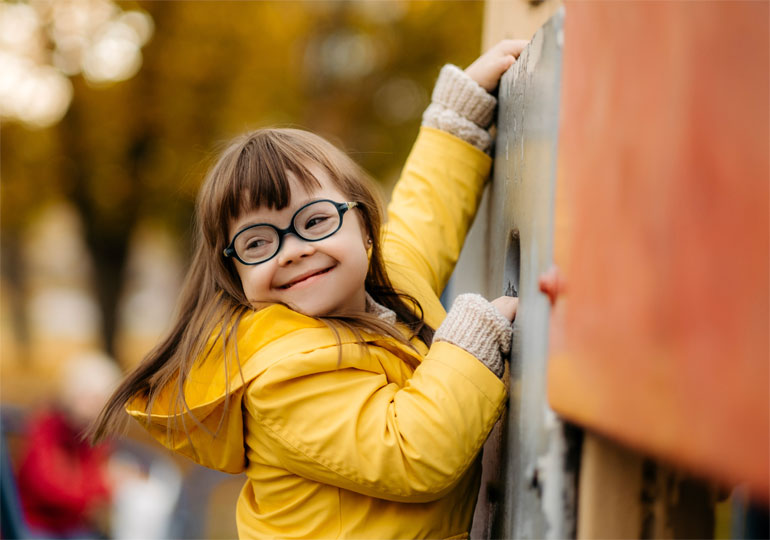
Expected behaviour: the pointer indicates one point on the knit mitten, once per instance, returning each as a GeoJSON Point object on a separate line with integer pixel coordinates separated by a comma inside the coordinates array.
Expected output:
{"type": "Point", "coordinates": [460, 106]}
{"type": "Point", "coordinates": [475, 325]}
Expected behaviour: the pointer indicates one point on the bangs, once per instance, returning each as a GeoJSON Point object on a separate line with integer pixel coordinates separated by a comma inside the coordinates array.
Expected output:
{"type": "Point", "coordinates": [260, 177]}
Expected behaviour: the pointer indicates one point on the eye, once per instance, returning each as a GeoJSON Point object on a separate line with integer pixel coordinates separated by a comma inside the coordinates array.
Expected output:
{"type": "Point", "coordinates": [256, 243]}
{"type": "Point", "coordinates": [255, 240]}
{"type": "Point", "coordinates": [315, 220]}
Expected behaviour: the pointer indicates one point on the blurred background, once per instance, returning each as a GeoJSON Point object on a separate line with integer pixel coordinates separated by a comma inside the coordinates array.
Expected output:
{"type": "Point", "coordinates": [111, 112]}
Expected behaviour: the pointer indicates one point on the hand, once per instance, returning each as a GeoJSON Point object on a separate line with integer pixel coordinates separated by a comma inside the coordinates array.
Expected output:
{"type": "Point", "coordinates": [490, 66]}
{"type": "Point", "coordinates": [507, 306]}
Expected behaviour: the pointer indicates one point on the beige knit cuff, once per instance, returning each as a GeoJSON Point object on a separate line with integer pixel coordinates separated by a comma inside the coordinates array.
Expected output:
{"type": "Point", "coordinates": [475, 325]}
{"type": "Point", "coordinates": [455, 90]}
{"type": "Point", "coordinates": [461, 107]}
{"type": "Point", "coordinates": [439, 117]}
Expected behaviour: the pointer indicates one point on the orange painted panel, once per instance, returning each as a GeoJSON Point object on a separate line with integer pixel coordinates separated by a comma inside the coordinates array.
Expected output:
{"type": "Point", "coordinates": [662, 338]}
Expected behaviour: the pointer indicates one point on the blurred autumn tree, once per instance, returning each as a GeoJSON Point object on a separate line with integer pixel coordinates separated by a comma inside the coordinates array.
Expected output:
{"type": "Point", "coordinates": [359, 73]}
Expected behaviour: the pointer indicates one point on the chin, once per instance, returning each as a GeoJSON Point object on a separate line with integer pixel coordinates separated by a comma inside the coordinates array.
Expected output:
{"type": "Point", "coordinates": [312, 310]}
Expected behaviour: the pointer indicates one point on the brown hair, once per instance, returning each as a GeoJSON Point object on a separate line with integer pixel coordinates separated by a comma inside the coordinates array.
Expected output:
{"type": "Point", "coordinates": [252, 172]}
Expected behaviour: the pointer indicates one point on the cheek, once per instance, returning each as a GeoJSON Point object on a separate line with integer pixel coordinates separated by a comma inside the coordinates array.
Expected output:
{"type": "Point", "coordinates": [356, 247]}
{"type": "Point", "coordinates": [255, 281]}
{"type": "Point", "coordinates": [243, 274]}
{"type": "Point", "coordinates": [363, 257]}
{"type": "Point", "coordinates": [350, 249]}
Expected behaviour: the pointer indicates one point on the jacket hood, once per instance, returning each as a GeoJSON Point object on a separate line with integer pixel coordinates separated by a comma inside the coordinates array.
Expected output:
{"type": "Point", "coordinates": [210, 429]}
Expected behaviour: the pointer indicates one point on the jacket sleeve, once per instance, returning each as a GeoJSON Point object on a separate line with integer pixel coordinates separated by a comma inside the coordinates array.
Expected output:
{"type": "Point", "coordinates": [348, 427]}
{"type": "Point", "coordinates": [433, 206]}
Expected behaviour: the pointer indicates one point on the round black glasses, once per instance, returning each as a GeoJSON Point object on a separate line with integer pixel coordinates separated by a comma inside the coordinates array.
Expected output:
{"type": "Point", "coordinates": [312, 222]}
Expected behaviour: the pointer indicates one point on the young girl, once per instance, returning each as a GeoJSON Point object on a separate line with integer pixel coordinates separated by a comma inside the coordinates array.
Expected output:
{"type": "Point", "coordinates": [304, 352]}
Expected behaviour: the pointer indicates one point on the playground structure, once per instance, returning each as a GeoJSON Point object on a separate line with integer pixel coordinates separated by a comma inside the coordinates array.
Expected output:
{"type": "Point", "coordinates": [632, 151]}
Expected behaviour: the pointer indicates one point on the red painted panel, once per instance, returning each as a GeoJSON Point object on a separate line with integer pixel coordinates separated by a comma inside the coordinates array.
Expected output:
{"type": "Point", "coordinates": [662, 338]}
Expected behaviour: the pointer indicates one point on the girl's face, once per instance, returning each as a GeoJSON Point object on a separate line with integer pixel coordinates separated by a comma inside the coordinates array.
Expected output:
{"type": "Point", "coordinates": [314, 278]}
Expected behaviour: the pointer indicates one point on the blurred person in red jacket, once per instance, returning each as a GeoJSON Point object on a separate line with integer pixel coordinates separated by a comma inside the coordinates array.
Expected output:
{"type": "Point", "coordinates": [64, 482]}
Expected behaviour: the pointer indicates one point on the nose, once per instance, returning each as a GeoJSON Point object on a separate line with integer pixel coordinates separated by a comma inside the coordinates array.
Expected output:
{"type": "Point", "coordinates": [293, 249]}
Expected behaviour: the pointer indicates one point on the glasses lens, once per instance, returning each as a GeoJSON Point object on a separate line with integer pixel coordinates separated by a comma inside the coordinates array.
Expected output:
{"type": "Point", "coordinates": [256, 244]}
{"type": "Point", "coordinates": [317, 220]}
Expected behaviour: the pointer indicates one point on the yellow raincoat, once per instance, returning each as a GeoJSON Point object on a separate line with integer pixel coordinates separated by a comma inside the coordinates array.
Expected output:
{"type": "Point", "coordinates": [369, 447]}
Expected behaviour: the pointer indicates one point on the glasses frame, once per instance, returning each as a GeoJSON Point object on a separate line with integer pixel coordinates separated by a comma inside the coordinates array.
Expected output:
{"type": "Point", "coordinates": [343, 207]}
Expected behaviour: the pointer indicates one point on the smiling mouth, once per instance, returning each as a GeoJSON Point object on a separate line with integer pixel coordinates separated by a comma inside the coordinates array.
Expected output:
{"type": "Point", "coordinates": [301, 280]}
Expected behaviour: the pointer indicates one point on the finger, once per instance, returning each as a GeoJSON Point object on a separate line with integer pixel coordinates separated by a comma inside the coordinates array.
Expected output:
{"type": "Point", "coordinates": [514, 305]}
{"type": "Point", "coordinates": [506, 306]}
{"type": "Point", "coordinates": [505, 62]}
{"type": "Point", "coordinates": [512, 46]}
